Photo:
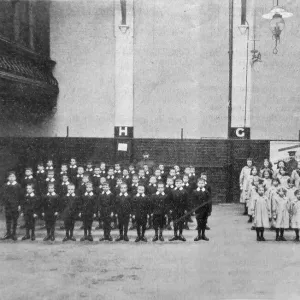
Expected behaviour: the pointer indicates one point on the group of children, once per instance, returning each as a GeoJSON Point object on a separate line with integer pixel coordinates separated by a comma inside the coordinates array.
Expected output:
{"type": "Point", "coordinates": [77, 193]}
{"type": "Point", "coordinates": [271, 198]}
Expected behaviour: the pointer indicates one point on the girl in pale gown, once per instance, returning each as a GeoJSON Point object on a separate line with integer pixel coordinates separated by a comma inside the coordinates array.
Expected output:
{"type": "Point", "coordinates": [281, 213]}
{"type": "Point", "coordinates": [266, 167]}
{"type": "Point", "coordinates": [262, 213]}
{"type": "Point", "coordinates": [290, 194]}
{"type": "Point", "coordinates": [271, 198]}
{"type": "Point", "coordinates": [281, 164]}
{"type": "Point", "coordinates": [244, 178]}
{"type": "Point", "coordinates": [295, 212]}
{"type": "Point", "coordinates": [296, 176]}
{"type": "Point", "coordinates": [283, 177]}
{"type": "Point", "coordinates": [252, 184]}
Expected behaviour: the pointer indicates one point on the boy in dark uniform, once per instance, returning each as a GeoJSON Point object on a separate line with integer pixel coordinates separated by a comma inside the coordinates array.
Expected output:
{"type": "Point", "coordinates": [163, 173]}
{"type": "Point", "coordinates": [123, 208]}
{"type": "Point", "coordinates": [188, 188]}
{"type": "Point", "coordinates": [40, 178]}
{"type": "Point", "coordinates": [88, 211]}
{"type": "Point", "coordinates": [63, 187]}
{"type": "Point", "coordinates": [111, 177]}
{"type": "Point", "coordinates": [79, 176]}
{"type": "Point", "coordinates": [63, 171]}
{"type": "Point", "coordinates": [177, 171]}
{"type": "Point", "coordinates": [96, 176]}
{"type": "Point", "coordinates": [116, 190]}
{"type": "Point", "coordinates": [151, 187]}
{"type": "Point", "coordinates": [118, 171]}
{"type": "Point", "coordinates": [81, 189]}
{"type": "Point", "coordinates": [50, 209]}
{"type": "Point", "coordinates": [98, 190]}
{"type": "Point", "coordinates": [11, 196]}
{"type": "Point", "coordinates": [134, 185]}
{"type": "Point", "coordinates": [140, 211]}
{"type": "Point", "coordinates": [105, 211]}
{"type": "Point", "coordinates": [29, 207]}
{"type": "Point", "coordinates": [147, 172]}
{"type": "Point", "coordinates": [178, 207]}
{"type": "Point", "coordinates": [89, 168]}
{"type": "Point", "coordinates": [103, 172]}
{"type": "Point", "coordinates": [168, 190]}
{"type": "Point", "coordinates": [208, 187]}
{"type": "Point", "coordinates": [126, 177]}
{"type": "Point", "coordinates": [49, 165]}
{"type": "Point", "coordinates": [50, 179]}
{"type": "Point", "coordinates": [131, 170]}
{"type": "Point", "coordinates": [159, 203]}
{"type": "Point", "coordinates": [69, 211]}
{"type": "Point", "coordinates": [28, 179]}
{"type": "Point", "coordinates": [73, 170]}
{"type": "Point", "coordinates": [200, 196]}
{"type": "Point", "coordinates": [142, 178]}
{"type": "Point", "coordinates": [158, 176]}
{"type": "Point", "coordinates": [172, 174]}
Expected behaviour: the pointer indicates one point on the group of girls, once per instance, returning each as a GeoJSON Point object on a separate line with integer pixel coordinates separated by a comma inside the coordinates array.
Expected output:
{"type": "Point", "coordinates": [271, 198]}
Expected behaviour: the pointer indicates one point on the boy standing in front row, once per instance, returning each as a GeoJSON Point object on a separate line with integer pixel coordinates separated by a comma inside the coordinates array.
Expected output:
{"type": "Point", "coordinates": [123, 207]}
{"type": "Point", "coordinates": [50, 208]}
{"type": "Point", "coordinates": [88, 212]}
{"type": "Point", "coordinates": [200, 196]}
{"type": "Point", "coordinates": [178, 207]}
{"type": "Point", "coordinates": [29, 206]}
{"type": "Point", "coordinates": [105, 210]}
{"type": "Point", "coordinates": [140, 210]}
{"type": "Point", "coordinates": [70, 204]}
{"type": "Point", "coordinates": [11, 197]}
{"type": "Point", "coordinates": [159, 203]}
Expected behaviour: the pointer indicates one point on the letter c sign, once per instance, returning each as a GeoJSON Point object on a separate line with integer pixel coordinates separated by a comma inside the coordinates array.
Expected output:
{"type": "Point", "coordinates": [241, 133]}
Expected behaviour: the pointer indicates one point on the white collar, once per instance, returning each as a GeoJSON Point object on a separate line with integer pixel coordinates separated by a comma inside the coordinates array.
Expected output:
{"type": "Point", "coordinates": [40, 172]}
{"type": "Point", "coordinates": [142, 177]}
{"type": "Point", "coordinates": [203, 189]}
{"type": "Point", "coordinates": [158, 193]}
{"type": "Point", "coordinates": [180, 189]}
{"type": "Point", "coordinates": [51, 194]}
{"type": "Point", "coordinates": [132, 172]}
{"type": "Point", "coordinates": [140, 195]}
{"type": "Point", "coordinates": [186, 184]}
{"type": "Point", "coordinates": [31, 195]}
{"type": "Point", "coordinates": [147, 172]}
{"type": "Point", "coordinates": [102, 171]}
{"type": "Point", "coordinates": [135, 184]}
{"type": "Point", "coordinates": [152, 184]}
{"type": "Point", "coordinates": [107, 193]}
{"type": "Point", "coordinates": [65, 183]}
{"type": "Point", "coordinates": [29, 177]}
{"type": "Point", "coordinates": [110, 177]}
{"type": "Point", "coordinates": [73, 167]}
{"type": "Point", "coordinates": [89, 194]}
{"type": "Point", "coordinates": [73, 195]}
{"type": "Point", "coordinates": [125, 194]}
{"type": "Point", "coordinates": [159, 177]}
{"type": "Point", "coordinates": [91, 169]}
{"type": "Point", "coordinates": [79, 175]}
{"type": "Point", "coordinates": [191, 174]}
{"type": "Point", "coordinates": [96, 175]}
{"type": "Point", "coordinates": [170, 186]}
{"type": "Point", "coordinates": [13, 183]}
{"type": "Point", "coordinates": [162, 172]}
{"type": "Point", "coordinates": [117, 171]}
{"type": "Point", "coordinates": [49, 168]}
{"type": "Point", "coordinates": [127, 176]}
{"type": "Point", "coordinates": [48, 179]}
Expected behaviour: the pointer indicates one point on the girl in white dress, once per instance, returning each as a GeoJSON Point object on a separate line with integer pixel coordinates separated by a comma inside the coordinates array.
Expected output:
{"type": "Point", "coordinates": [262, 213]}
{"type": "Point", "coordinates": [295, 211]}
{"type": "Point", "coordinates": [290, 194]}
{"type": "Point", "coordinates": [283, 177]}
{"type": "Point", "coordinates": [244, 178]}
{"type": "Point", "coordinates": [281, 213]}
{"type": "Point", "coordinates": [271, 198]}
{"type": "Point", "coordinates": [296, 176]}
{"type": "Point", "coordinates": [251, 192]}
{"type": "Point", "coordinates": [266, 167]}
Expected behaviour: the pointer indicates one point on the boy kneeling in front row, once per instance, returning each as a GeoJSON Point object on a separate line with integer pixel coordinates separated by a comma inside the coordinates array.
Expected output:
{"type": "Point", "coordinates": [200, 196]}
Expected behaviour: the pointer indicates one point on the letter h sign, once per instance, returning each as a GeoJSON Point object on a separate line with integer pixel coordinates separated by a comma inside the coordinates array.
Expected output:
{"type": "Point", "coordinates": [124, 131]}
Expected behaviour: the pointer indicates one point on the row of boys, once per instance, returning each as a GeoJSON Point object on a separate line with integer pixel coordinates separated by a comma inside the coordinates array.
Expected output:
{"type": "Point", "coordinates": [92, 205]}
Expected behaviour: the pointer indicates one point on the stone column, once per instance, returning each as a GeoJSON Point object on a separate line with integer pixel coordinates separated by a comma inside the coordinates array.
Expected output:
{"type": "Point", "coordinates": [242, 70]}
{"type": "Point", "coordinates": [124, 31]}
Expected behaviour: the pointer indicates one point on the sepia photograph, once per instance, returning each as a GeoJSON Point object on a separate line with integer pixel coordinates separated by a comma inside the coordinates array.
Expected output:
{"type": "Point", "coordinates": [149, 149]}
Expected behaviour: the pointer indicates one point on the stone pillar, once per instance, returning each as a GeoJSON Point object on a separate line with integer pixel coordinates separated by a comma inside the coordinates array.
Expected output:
{"type": "Point", "coordinates": [242, 71]}
{"type": "Point", "coordinates": [124, 32]}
